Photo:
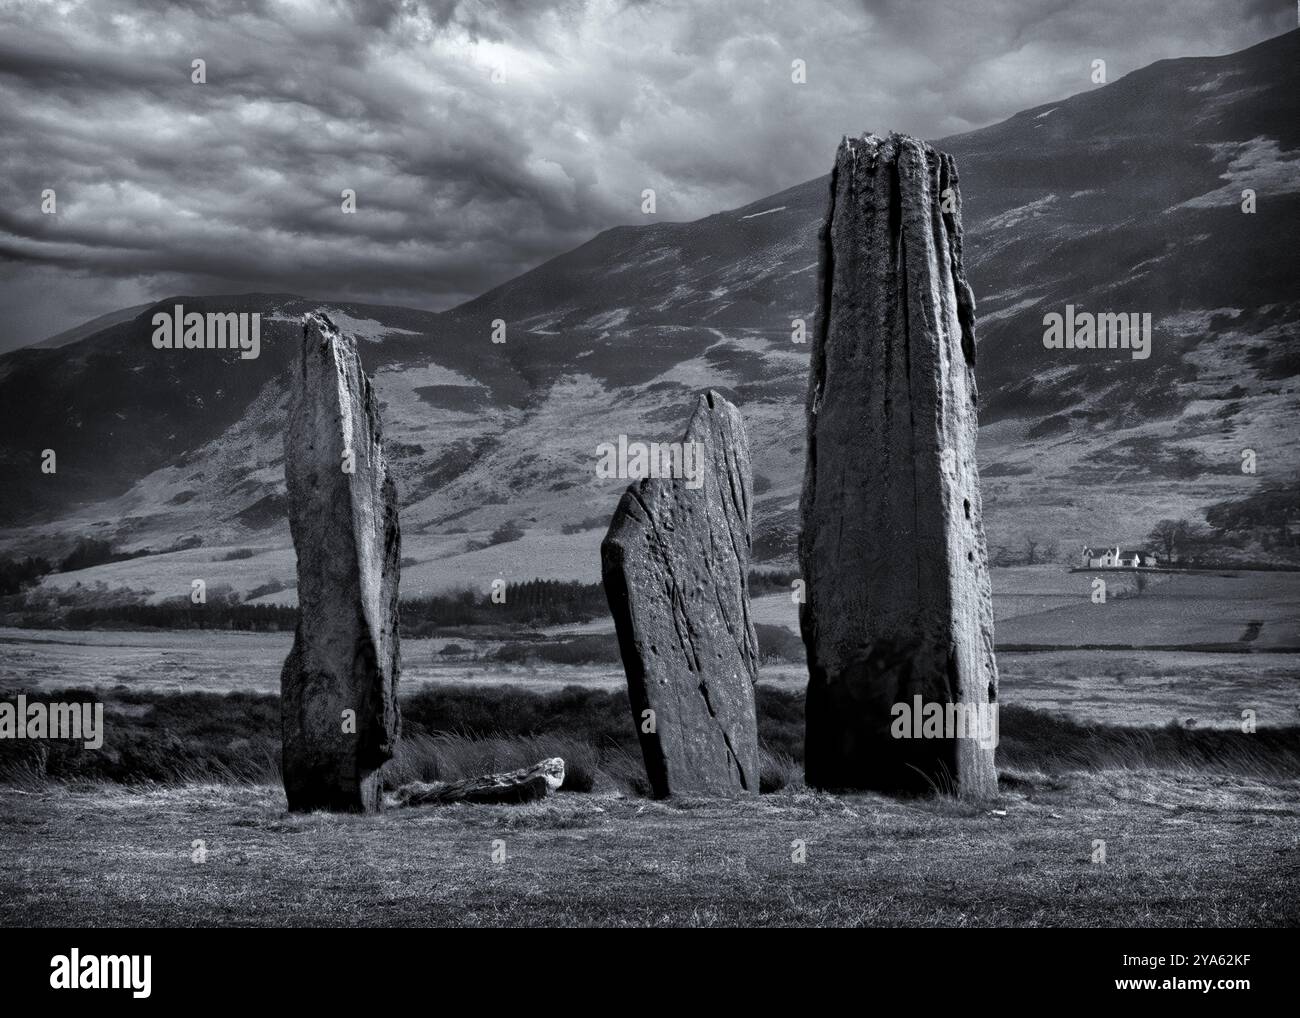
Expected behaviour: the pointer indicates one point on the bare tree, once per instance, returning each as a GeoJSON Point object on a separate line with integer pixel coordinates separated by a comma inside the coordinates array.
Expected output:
{"type": "Point", "coordinates": [1169, 535]}
{"type": "Point", "coordinates": [1031, 551]}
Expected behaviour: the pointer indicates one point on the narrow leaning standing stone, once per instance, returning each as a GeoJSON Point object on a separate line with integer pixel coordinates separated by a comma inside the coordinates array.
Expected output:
{"type": "Point", "coordinates": [898, 607]}
{"type": "Point", "coordinates": [675, 564]}
{"type": "Point", "coordinates": [338, 688]}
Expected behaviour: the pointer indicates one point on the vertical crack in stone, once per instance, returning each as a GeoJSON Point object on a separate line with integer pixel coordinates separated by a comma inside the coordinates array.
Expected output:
{"type": "Point", "coordinates": [726, 738]}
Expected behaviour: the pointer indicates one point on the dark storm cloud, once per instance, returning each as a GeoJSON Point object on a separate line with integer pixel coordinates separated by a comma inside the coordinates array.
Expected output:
{"type": "Point", "coordinates": [463, 180]}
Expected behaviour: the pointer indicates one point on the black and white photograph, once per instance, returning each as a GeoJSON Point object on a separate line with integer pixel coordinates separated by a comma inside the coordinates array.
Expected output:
{"type": "Point", "coordinates": [650, 463]}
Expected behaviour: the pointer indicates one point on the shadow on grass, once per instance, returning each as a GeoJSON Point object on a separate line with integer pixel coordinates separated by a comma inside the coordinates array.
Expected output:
{"type": "Point", "coordinates": [451, 733]}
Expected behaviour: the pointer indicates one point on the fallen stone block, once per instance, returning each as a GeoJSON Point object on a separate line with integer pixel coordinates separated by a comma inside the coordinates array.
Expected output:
{"type": "Point", "coordinates": [527, 784]}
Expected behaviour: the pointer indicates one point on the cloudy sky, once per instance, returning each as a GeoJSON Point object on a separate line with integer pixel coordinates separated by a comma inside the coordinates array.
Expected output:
{"type": "Point", "coordinates": [480, 138]}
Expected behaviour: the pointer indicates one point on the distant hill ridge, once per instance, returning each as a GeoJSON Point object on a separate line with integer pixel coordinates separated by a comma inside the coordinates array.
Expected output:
{"type": "Point", "coordinates": [1123, 198]}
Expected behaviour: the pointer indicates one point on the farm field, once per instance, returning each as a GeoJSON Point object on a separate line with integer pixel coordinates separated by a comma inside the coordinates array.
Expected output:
{"type": "Point", "coordinates": [1205, 617]}
{"type": "Point", "coordinates": [1117, 687]}
{"type": "Point", "coordinates": [1256, 609]}
{"type": "Point", "coordinates": [1049, 606]}
{"type": "Point", "coordinates": [1043, 605]}
{"type": "Point", "coordinates": [1018, 591]}
{"type": "Point", "coordinates": [219, 661]}
{"type": "Point", "coordinates": [436, 564]}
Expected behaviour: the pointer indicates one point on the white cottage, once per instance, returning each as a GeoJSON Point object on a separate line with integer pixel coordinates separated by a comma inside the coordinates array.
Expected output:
{"type": "Point", "coordinates": [1118, 558]}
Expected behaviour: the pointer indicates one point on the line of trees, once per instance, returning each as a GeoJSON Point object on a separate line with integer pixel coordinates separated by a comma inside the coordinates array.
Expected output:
{"type": "Point", "coordinates": [1174, 540]}
{"type": "Point", "coordinates": [771, 581]}
{"type": "Point", "coordinates": [1269, 517]}
{"type": "Point", "coordinates": [1032, 551]}
{"type": "Point", "coordinates": [263, 618]}
{"type": "Point", "coordinates": [16, 574]}
{"type": "Point", "coordinates": [19, 573]}
{"type": "Point", "coordinates": [533, 602]}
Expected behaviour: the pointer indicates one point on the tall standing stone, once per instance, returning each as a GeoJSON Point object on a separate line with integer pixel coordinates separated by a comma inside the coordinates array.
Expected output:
{"type": "Point", "coordinates": [338, 688]}
{"type": "Point", "coordinates": [898, 602]}
{"type": "Point", "coordinates": [676, 569]}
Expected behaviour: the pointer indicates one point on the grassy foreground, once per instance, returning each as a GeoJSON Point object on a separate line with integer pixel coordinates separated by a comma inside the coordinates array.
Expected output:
{"type": "Point", "coordinates": [179, 820]}
{"type": "Point", "coordinates": [1182, 849]}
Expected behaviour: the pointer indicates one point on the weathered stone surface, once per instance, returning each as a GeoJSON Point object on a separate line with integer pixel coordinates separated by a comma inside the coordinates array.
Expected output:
{"type": "Point", "coordinates": [524, 785]}
{"type": "Point", "coordinates": [898, 602]}
{"type": "Point", "coordinates": [675, 565]}
{"type": "Point", "coordinates": [343, 516]}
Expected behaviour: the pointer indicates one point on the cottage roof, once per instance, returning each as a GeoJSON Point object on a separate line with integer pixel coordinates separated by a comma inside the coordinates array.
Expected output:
{"type": "Point", "coordinates": [1122, 553]}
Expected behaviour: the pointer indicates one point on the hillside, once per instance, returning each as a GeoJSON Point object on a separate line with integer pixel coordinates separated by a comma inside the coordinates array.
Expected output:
{"type": "Point", "coordinates": [1123, 198]}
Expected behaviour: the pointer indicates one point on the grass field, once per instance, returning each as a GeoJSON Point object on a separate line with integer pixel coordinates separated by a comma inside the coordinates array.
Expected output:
{"type": "Point", "coordinates": [1141, 749]}
{"type": "Point", "coordinates": [1197, 827]}
{"type": "Point", "coordinates": [1180, 850]}
{"type": "Point", "coordinates": [1118, 687]}
{"type": "Point", "coordinates": [1258, 610]}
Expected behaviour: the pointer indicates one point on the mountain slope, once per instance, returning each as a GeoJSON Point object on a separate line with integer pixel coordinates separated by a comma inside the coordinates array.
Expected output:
{"type": "Point", "coordinates": [1126, 198]}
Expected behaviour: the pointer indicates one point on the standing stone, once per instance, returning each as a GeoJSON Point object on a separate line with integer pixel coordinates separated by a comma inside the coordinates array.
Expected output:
{"type": "Point", "coordinates": [338, 689]}
{"type": "Point", "coordinates": [676, 569]}
{"type": "Point", "coordinates": [898, 603]}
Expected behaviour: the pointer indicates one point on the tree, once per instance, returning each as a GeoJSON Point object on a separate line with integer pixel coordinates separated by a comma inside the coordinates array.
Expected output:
{"type": "Point", "coordinates": [1031, 550]}
{"type": "Point", "coordinates": [507, 532]}
{"type": "Point", "coordinates": [1274, 508]}
{"type": "Point", "coordinates": [88, 551]}
{"type": "Point", "coordinates": [1194, 541]}
{"type": "Point", "coordinates": [1169, 536]}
